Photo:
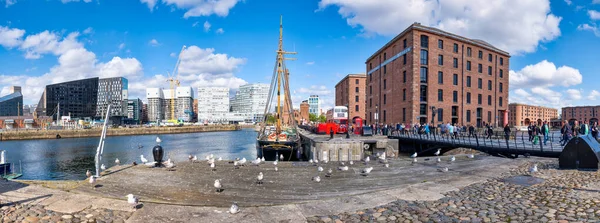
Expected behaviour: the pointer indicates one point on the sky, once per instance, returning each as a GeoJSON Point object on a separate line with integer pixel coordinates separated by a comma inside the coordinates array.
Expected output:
{"type": "Point", "coordinates": [554, 44]}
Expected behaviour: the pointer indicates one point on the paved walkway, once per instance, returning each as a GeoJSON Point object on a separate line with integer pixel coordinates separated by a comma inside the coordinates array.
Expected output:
{"type": "Point", "coordinates": [289, 195]}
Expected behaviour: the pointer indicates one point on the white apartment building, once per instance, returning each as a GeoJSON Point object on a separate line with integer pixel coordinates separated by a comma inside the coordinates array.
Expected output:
{"type": "Point", "coordinates": [314, 105]}
{"type": "Point", "coordinates": [112, 91]}
{"type": "Point", "coordinates": [184, 103]}
{"type": "Point", "coordinates": [155, 104]}
{"type": "Point", "coordinates": [251, 99]}
{"type": "Point", "coordinates": [213, 104]}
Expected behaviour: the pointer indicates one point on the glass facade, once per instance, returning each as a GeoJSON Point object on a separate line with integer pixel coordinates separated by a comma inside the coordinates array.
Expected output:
{"type": "Point", "coordinates": [76, 98]}
{"type": "Point", "coordinates": [11, 105]}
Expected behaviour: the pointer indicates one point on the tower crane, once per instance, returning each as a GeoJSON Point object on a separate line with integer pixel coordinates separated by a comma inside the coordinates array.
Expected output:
{"type": "Point", "coordinates": [174, 82]}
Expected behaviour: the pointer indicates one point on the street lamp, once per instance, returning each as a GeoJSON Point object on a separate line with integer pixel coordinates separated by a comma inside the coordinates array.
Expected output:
{"type": "Point", "coordinates": [433, 112]}
{"type": "Point", "coordinates": [376, 117]}
{"type": "Point", "coordinates": [347, 121]}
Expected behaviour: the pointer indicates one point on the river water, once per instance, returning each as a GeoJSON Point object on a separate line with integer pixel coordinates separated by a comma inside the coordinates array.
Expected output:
{"type": "Point", "coordinates": [68, 159]}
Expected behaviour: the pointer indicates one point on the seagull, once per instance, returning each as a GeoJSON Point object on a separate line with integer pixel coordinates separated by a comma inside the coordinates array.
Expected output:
{"type": "Point", "coordinates": [310, 161]}
{"type": "Point", "coordinates": [93, 181]}
{"type": "Point", "coordinates": [144, 160]}
{"type": "Point", "coordinates": [280, 156]}
{"type": "Point", "coordinates": [317, 179]}
{"type": "Point", "coordinates": [275, 162]}
{"type": "Point", "coordinates": [220, 159]}
{"type": "Point", "coordinates": [132, 200]}
{"type": "Point", "coordinates": [452, 159]}
{"type": "Point", "coordinates": [367, 159]}
{"type": "Point", "coordinates": [438, 152]}
{"type": "Point", "coordinates": [533, 169]}
{"type": "Point", "coordinates": [444, 169]}
{"type": "Point", "coordinates": [320, 169]}
{"type": "Point", "coordinates": [190, 157]}
{"type": "Point", "coordinates": [218, 185]}
{"type": "Point", "coordinates": [275, 169]}
{"type": "Point", "coordinates": [329, 172]}
{"type": "Point", "coordinates": [88, 173]}
{"type": "Point", "coordinates": [103, 167]}
{"type": "Point", "coordinates": [117, 161]}
{"type": "Point", "coordinates": [351, 162]}
{"type": "Point", "coordinates": [207, 158]}
{"type": "Point", "coordinates": [212, 167]}
{"type": "Point", "coordinates": [438, 160]}
{"type": "Point", "coordinates": [387, 165]}
{"type": "Point", "coordinates": [366, 171]}
{"type": "Point", "coordinates": [326, 161]}
{"type": "Point", "coordinates": [414, 161]}
{"type": "Point", "coordinates": [414, 155]}
{"type": "Point", "coordinates": [169, 165]}
{"type": "Point", "coordinates": [262, 159]}
{"type": "Point", "coordinates": [382, 156]}
{"type": "Point", "coordinates": [259, 178]}
{"type": "Point", "coordinates": [316, 162]}
{"type": "Point", "coordinates": [343, 168]}
{"type": "Point", "coordinates": [150, 164]}
{"type": "Point", "coordinates": [234, 208]}
{"type": "Point", "coordinates": [212, 156]}
{"type": "Point", "coordinates": [256, 162]}
{"type": "Point", "coordinates": [194, 159]}
{"type": "Point", "coordinates": [471, 156]}
{"type": "Point", "coordinates": [243, 161]}
{"type": "Point", "coordinates": [235, 164]}
{"type": "Point", "coordinates": [342, 164]}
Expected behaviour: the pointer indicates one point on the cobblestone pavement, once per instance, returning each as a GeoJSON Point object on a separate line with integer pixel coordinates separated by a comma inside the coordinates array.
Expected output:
{"type": "Point", "coordinates": [563, 196]}
{"type": "Point", "coordinates": [36, 213]}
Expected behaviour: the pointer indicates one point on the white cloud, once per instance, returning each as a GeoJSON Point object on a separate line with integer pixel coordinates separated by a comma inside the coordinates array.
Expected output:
{"type": "Point", "coordinates": [586, 27]}
{"type": "Point", "coordinates": [120, 67]}
{"type": "Point", "coordinates": [195, 24]}
{"type": "Point", "coordinates": [315, 90]}
{"type": "Point", "coordinates": [154, 42]}
{"type": "Point", "coordinates": [516, 29]}
{"type": "Point", "coordinates": [206, 26]}
{"type": "Point", "coordinates": [173, 54]}
{"type": "Point", "coordinates": [197, 61]}
{"type": "Point", "coordinates": [150, 3]}
{"type": "Point", "coordinates": [11, 37]}
{"type": "Point", "coordinates": [67, 1]}
{"type": "Point", "coordinates": [596, 2]}
{"type": "Point", "coordinates": [544, 74]}
{"type": "Point", "coordinates": [220, 31]}
{"type": "Point", "coordinates": [310, 63]}
{"type": "Point", "coordinates": [573, 94]}
{"type": "Point", "coordinates": [49, 42]}
{"type": "Point", "coordinates": [10, 2]}
{"type": "Point", "coordinates": [88, 30]}
{"type": "Point", "coordinates": [593, 95]}
{"type": "Point", "coordinates": [594, 15]}
{"type": "Point", "coordinates": [121, 46]}
{"type": "Point", "coordinates": [569, 2]}
{"type": "Point", "coordinates": [203, 7]}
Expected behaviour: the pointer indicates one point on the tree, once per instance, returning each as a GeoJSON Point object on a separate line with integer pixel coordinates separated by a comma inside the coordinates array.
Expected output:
{"type": "Point", "coordinates": [313, 118]}
{"type": "Point", "coordinates": [322, 119]}
{"type": "Point", "coordinates": [270, 119]}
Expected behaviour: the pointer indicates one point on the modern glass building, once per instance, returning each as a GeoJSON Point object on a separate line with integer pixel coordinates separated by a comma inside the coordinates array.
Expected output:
{"type": "Point", "coordinates": [252, 99]}
{"type": "Point", "coordinates": [113, 91]}
{"type": "Point", "coordinates": [134, 111]}
{"type": "Point", "coordinates": [12, 104]}
{"type": "Point", "coordinates": [77, 99]}
{"type": "Point", "coordinates": [315, 106]}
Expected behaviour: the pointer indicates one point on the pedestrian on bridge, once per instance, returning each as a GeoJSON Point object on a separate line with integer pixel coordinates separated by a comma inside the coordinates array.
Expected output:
{"type": "Point", "coordinates": [595, 130]}
{"type": "Point", "coordinates": [530, 132]}
{"type": "Point", "coordinates": [471, 130]}
{"type": "Point", "coordinates": [567, 133]}
{"type": "Point", "coordinates": [506, 132]}
{"type": "Point", "coordinates": [545, 132]}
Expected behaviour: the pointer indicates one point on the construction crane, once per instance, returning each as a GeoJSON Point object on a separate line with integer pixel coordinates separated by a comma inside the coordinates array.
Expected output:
{"type": "Point", "coordinates": [174, 82]}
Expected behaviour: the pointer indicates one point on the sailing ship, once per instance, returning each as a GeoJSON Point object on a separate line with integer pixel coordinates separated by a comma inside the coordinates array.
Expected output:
{"type": "Point", "coordinates": [278, 135]}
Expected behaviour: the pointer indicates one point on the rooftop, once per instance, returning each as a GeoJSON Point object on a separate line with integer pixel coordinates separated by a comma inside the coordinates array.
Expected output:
{"type": "Point", "coordinates": [11, 96]}
{"type": "Point", "coordinates": [521, 104]}
{"type": "Point", "coordinates": [418, 26]}
{"type": "Point", "coordinates": [363, 75]}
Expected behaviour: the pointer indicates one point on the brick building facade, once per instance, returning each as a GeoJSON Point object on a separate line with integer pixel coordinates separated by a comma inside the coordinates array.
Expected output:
{"type": "Point", "coordinates": [522, 114]}
{"type": "Point", "coordinates": [351, 92]}
{"type": "Point", "coordinates": [423, 68]}
{"type": "Point", "coordinates": [589, 114]}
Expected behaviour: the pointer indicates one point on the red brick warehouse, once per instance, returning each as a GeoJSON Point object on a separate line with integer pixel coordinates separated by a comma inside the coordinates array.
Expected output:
{"type": "Point", "coordinates": [423, 68]}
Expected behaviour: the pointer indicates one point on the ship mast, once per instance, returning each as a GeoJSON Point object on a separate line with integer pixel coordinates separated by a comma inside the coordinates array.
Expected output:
{"type": "Point", "coordinates": [280, 74]}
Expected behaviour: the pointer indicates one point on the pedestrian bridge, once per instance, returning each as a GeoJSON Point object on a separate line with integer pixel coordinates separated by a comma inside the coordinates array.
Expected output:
{"type": "Point", "coordinates": [517, 144]}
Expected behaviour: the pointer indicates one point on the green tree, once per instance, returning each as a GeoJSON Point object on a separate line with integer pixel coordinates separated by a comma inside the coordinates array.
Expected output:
{"type": "Point", "coordinates": [270, 119]}
{"type": "Point", "coordinates": [322, 118]}
{"type": "Point", "coordinates": [313, 118]}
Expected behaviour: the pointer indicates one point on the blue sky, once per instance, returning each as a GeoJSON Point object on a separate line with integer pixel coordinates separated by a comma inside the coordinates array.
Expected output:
{"type": "Point", "coordinates": [553, 44]}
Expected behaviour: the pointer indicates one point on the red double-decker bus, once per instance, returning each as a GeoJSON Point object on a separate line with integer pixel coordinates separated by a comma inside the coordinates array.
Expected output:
{"type": "Point", "coordinates": [337, 118]}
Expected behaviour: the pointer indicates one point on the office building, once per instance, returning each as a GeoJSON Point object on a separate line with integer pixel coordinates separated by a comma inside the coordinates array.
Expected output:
{"type": "Point", "coordinates": [523, 115]}
{"type": "Point", "coordinates": [588, 114]}
{"type": "Point", "coordinates": [183, 104]}
{"type": "Point", "coordinates": [12, 104]}
{"type": "Point", "coordinates": [155, 107]}
{"type": "Point", "coordinates": [144, 113]}
{"type": "Point", "coordinates": [424, 69]}
{"type": "Point", "coordinates": [315, 105]}
{"type": "Point", "coordinates": [113, 91]}
{"type": "Point", "coordinates": [350, 92]}
{"type": "Point", "coordinates": [77, 99]}
{"type": "Point", "coordinates": [251, 99]}
{"type": "Point", "coordinates": [134, 111]}
{"type": "Point", "coordinates": [213, 104]}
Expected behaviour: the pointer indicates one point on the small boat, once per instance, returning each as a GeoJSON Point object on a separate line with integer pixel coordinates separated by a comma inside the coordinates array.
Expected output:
{"type": "Point", "coordinates": [7, 169]}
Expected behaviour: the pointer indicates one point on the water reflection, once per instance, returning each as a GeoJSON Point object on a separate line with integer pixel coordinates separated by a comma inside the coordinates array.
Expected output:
{"type": "Point", "coordinates": [68, 159]}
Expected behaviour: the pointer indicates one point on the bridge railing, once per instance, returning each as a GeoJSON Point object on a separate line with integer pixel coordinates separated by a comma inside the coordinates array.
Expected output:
{"type": "Point", "coordinates": [516, 140]}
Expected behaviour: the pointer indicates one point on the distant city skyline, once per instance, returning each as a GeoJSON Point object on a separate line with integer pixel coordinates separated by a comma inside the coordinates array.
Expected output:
{"type": "Point", "coordinates": [229, 45]}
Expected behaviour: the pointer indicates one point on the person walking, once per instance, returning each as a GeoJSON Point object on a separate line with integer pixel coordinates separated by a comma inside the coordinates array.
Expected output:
{"type": "Point", "coordinates": [471, 131]}
{"type": "Point", "coordinates": [490, 131]}
{"type": "Point", "coordinates": [530, 132]}
{"type": "Point", "coordinates": [568, 131]}
{"type": "Point", "coordinates": [455, 131]}
{"type": "Point", "coordinates": [545, 132]}
{"type": "Point", "coordinates": [595, 130]}
{"type": "Point", "coordinates": [506, 132]}
{"type": "Point", "coordinates": [450, 131]}
{"type": "Point", "coordinates": [576, 129]}
{"type": "Point", "coordinates": [427, 130]}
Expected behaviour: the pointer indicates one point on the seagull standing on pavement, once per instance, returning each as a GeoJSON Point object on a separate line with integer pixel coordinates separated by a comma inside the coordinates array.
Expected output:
{"type": "Point", "coordinates": [366, 171]}
{"type": "Point", "coordinates": [242, 162]}
{"type": "Point", "coordinates": [133, 201]}
{"type": "Point", "coordinates": [103, 167]}
{"type": "Point", "coordinates": [93, 182]}
{"type": "Point", "coordinates": [88, 173]}
{"type": "Point", "coordinates": [194, 159]}
{"type": "Point", "coordinates": [218, 186]}
{"type": "Point", "coordinates": [387, 165]}
{"type": "Point", "coordinates": [343, 168]}
{"type": "Point", "coordinates": [235, 164]}
{"type": "Point", "coordinates": [329, 172]}
{"type": "Point", "coordinates": [367, 159]}
{"type": "Point", "coordinates": [452, 159]}
{"type": "Point", "coordinates": [444, 169]}
{"type": "Point", "coordinates": [262, 159]}
{"type": "Point", "coordinates": [144, 160]}
{"type": "Point", "coordinates": [234, 208]}
{"type": "Point", "coordinates": [117, 161]}
{"type": "Point", "coordinates": [310, 161]}
{"type": "Point", "coordinates": [317, 179]}
{"type": "Point", "coordinates": [220, 159]}
{"type": "Point", "coordinates": [533, 169]}
{"type": "Point", "coordinates": [275, 162]}
{"type": "Point", "coordinates": [351, 163]}
{"type": "Point", "coordinates": [471, 156]}
{"type": "Point", "coordinates": [190, 157]}
{"type": "Point", "coordinates": [438, 160]}
{"type": "Point", "coordinates": [320, 169]}
{"type": "Point", "coordinates": [414, 161]}
{"type": "Point", "coordinates": [213, 167]}
{"type": "Point", "coordinates": [437, 153]}
{"type": "Point", "coordinates": [259, 178]}
{"type": "Point", "coordinates": [414, 155]}
{"type": "Point", "coordinates": [280, 156]}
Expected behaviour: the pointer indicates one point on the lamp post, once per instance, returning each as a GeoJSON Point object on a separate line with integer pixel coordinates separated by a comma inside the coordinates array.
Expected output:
{"type": "Point", "coordinates": [376, 117]}
{"type": "Point", "coordinates": [433, 112]}
{"type": "Point", "coordinates": [348, 121]}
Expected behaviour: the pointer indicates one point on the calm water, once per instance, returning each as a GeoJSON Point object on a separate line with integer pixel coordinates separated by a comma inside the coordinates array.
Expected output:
{"type": "Point", "coordinates": [68, 159]}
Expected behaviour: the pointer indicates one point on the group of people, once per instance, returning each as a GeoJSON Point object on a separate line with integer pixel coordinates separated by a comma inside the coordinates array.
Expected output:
{"type": "Point", "coordinates": [567, 131]}
{"type": "Point", "coordinates": [534, 131]}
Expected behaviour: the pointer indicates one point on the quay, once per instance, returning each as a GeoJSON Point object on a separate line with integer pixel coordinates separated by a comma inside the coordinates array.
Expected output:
{"type": "Point", "coordinates": [95, 132]}
{"type": "Point", "coordinates": [289, 195]}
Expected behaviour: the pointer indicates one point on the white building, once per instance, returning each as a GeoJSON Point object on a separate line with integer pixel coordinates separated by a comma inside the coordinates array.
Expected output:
{"type": "Point", "coordinates": [213, 104]}
{"type": "Point", "coordinates": [155, 107]}
{"type": "Point", "coordinates": [112, 91]}
{"type": "Point", "coordinates": [184, 103]}
{"type": "Point", "coordinates": [251, 99]}
{"type": "Point", "coordinates": [315, 105]}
